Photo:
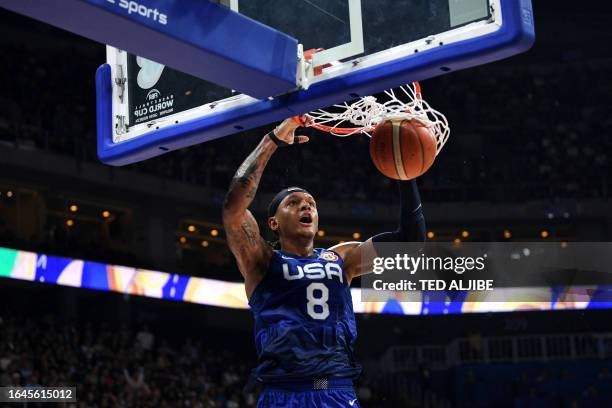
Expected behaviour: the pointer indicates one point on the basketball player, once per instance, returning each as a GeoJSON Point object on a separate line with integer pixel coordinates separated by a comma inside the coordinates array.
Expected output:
{"type": "Point", "coordinates": [300, 297]}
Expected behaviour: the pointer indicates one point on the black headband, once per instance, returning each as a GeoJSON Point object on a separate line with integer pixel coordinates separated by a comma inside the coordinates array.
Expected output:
{"type": "Point", "coordinates": [280, 197]}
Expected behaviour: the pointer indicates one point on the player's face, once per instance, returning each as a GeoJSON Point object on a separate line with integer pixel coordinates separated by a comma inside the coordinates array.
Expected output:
{"type": "Point", "coordinates": [297, 215]}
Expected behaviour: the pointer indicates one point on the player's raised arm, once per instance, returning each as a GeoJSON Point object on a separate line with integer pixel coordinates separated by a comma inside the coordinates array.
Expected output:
{"type": "Point", "coordinates": [411, 228]}
{"type": "Point", "coordinates": [251, 251]}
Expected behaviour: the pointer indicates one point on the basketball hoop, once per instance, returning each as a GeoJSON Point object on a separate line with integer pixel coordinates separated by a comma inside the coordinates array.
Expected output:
{"type": "Point", "coordinates": [362, 116]}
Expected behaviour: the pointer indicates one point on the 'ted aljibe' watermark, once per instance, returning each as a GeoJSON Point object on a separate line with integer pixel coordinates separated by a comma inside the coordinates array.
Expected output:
{"type": "Point", "coordinates": [523, 272]}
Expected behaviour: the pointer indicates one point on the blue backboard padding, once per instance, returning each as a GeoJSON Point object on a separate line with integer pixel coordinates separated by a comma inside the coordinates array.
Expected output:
{"type": "Point", "coordinates": [104, 108]}
{"type": "Point", "coordinates": [200, 38]}
{"type": "Point", "coordinates": [516, 35]}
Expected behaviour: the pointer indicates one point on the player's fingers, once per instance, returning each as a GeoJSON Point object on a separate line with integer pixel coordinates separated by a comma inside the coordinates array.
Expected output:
{"type": "Point", "coordinates": [307, 120]}
{"type": "Point", "coordinates": [302, 139]}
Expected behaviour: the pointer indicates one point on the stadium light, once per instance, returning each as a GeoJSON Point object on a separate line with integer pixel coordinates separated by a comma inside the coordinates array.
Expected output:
{"type": "Point", "coordinates": [431, 235]}
{"type": "Point", "coordinates": [105, 214]}
{"type": "Point", "coordinates": [321, 233]}
{"type": "Point", "coordinates": [544, 234]}
{"type": "Point", "coordinates": [205, 243]}
{"type": "Point", "coordinates": [356, 235]}
{"type": "Point", "coordinates": [191, 228]}
{"type": "Point", "coordinates": [69, 223]}
{"type": "Point", "coordinates": [465, 233]}
{"type": "Point", "coordinates": [182, 240]}
{"type": "Point", "coordinates": [214, 232]}
{"type": "Point", "coordinates": [74, 208]}
{"type": "Point", "coordinates": [507, 234]}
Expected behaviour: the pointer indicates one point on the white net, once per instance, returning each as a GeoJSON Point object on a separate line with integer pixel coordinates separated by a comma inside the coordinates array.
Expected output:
{"type": "Point", "coordinates": [366, 113]}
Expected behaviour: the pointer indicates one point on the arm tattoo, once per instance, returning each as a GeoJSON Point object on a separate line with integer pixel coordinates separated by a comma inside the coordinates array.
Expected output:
{"type": "Point", "coordinates": [246, 180]}
{"type": "Point", "coordinates": [249, 233]}
{"type": "Point", "coordinates": [246, 173]}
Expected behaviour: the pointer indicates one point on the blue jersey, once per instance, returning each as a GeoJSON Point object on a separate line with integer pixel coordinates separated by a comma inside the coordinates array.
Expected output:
{"type": "Point", "coordinates": [304, 320]}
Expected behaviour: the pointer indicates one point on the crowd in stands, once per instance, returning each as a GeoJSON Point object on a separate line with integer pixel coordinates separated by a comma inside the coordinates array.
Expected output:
{"type": "Point", "coordinates": [531, 131]}
{"type": "Point", "coordinates": [118, 367]}
{"type": "Point", "coordinates": [560, 384]}
{"type": "Point", "coordinates": [112, 365]}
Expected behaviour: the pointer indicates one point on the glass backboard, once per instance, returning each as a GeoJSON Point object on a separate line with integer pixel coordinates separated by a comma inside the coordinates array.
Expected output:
{"type": "Point", "coordinates": [350, 29]}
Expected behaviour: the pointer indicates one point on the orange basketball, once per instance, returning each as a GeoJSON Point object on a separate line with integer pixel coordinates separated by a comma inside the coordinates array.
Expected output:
{"type": "Point", "coordinates": [402, 149]}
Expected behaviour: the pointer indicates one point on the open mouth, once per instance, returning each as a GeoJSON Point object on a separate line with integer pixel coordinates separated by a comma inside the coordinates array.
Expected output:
{"type": "Point", "coordinates": [306, 219]}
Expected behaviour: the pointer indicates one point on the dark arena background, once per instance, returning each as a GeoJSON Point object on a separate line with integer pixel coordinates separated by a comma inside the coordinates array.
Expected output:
{"type": "Point", "coordinates": [528, 160]}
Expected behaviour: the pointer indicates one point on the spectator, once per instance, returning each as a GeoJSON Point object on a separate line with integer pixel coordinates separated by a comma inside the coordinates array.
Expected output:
{"type": "Point", "coordinates": [145, 339]}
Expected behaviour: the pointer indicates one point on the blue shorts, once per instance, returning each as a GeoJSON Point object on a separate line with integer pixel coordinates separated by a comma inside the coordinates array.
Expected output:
{"type": "Point", "coordinates": [317, 394]}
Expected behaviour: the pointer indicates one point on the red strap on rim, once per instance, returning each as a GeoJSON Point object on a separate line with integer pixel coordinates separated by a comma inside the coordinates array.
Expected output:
{"type": "Point", "coordinates": [298, 119]}
{"type": "Point", "coordinates": [346, 130]}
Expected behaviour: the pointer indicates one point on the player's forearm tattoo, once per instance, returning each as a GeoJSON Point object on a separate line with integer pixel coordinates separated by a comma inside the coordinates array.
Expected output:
{"type": "Point", "coordinates": [246, 180]}
{"type": "Point", "coordinates": [245, 172]}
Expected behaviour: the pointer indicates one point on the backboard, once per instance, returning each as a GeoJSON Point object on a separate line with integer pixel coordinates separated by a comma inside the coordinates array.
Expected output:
{"type": "Point", "coordinates": [362, 47]}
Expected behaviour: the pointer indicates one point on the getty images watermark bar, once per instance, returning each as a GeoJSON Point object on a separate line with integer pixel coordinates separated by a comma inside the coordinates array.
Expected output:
{"type": "Point", "coordinates": [38, 394]}
{"type": "Point", "coordinates": [488, 272]}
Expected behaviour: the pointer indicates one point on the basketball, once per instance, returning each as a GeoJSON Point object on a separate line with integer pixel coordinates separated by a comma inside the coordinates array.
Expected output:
{"type": "Point", "coordinates": [402, 149]}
